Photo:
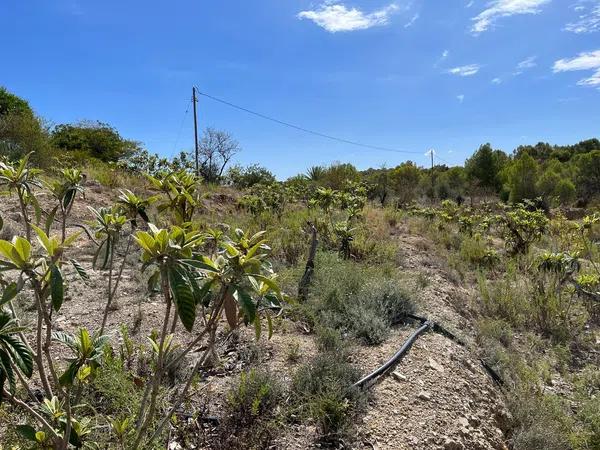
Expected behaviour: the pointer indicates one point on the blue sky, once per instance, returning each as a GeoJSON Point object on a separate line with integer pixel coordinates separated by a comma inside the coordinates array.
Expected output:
{"type": "Point", "coordinates": [411, 75]}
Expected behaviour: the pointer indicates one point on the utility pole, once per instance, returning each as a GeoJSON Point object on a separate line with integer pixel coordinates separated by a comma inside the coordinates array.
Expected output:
{"type": "Point", "coordinates": [194, 100]}
{"type": "Point", "coordinates": [431, 152]}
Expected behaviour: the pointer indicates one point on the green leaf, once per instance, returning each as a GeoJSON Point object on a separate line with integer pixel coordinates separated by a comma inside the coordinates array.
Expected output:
{"type": "Point", "coordinates": [246, 305]}
{"type": "Point", "coordinates": [27, 431]}
{"type": "Point", "coordinates": [183, 296]}
{"type": "Point", "coordinates": [7, 372]}
{"type": "Point", "coordinates": [67, 378]}
{"type": "Point", "coordinates": [21, 355]}
{"type": "Point", "coordinates": [80, 270]}
{"type": "Point", "coordinates": [10, 292]}
{"type": "Point", "coordinates": [56, 287]}
{"type": "Point", "coordinates": [36, 208]}
{"type": "Point", "coordinates": [68, 198]}
{"type": "Point", "coordinates": [23, 248]}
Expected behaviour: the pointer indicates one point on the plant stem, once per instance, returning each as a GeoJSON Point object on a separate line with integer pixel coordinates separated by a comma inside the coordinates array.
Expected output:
{"type": "Point", "coordinates": [15, 401]}
{"type": "Point", "coordinates": [159, 364]}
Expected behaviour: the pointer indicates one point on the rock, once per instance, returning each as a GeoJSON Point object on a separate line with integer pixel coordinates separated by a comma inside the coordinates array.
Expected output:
{"type": "Point", "coordinates": [398, 376]}
{"type": "Point", "coordinates": [463, 422]}
{"type": "Point", "coordinates": [423, 395]}
{"type": "Point", "coordinates": [432, 364]}
{"type": "Point", "coordinates": [451, 444]}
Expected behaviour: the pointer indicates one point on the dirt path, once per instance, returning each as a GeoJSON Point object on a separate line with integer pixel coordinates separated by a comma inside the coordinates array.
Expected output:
{"type": "Point", "coordinates": [439, 396]}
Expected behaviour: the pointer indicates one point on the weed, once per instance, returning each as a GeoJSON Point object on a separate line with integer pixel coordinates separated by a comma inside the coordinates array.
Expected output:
{"type": "Point", "coordinates": [322, 391]}
{"type": "Point", "coordinates": [251, 406]}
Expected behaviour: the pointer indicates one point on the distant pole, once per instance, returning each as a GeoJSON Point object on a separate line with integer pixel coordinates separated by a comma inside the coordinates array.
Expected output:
{"type": "Point", "coordinates": [194, 100]}
{"type": "Point", "coordinates": [431, 152]}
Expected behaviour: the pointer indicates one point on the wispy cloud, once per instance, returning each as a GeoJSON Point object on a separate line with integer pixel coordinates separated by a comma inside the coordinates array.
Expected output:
{"type": "Point", "coordinates": [465, 71]}
{"type": "Point", "coordinates": [504, 8]}
{"type": "Point", "coordinates": [588, 21]}
{"type": "Point", "coordinates": [497, 80]}
{"type": "Point", "coordinates": [411, 22]}
{"type": "Point", "coordinates": [334, 17]}
{"type": "Point", "coordinates": [460, 98]}
{"type": "Point", "coordinates": [527, 63]}
{"type": "Point", "coordinates": [583, 61]}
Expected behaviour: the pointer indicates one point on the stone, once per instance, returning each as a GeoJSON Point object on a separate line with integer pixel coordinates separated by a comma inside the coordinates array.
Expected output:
{"type": "Point", "coordinates": [432, 364]}
{"type": "Point", "coordinates": [398, 376]}
{"type": "Point", "coordinates": [451, 444]}
{"type": "Point", "coordinates": [423, 395]}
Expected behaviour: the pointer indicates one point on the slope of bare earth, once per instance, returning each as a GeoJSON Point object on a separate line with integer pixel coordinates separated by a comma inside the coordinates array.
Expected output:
{"type": "Point", "coordinates": [439, 396]}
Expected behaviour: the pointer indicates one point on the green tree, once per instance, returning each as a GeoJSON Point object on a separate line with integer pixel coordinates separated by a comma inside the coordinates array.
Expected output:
{"type": "Point", "coordinates": [21, 131]}
{"type": "Point", "coordinates": [522, 179]}
{"type": "Point", "coordinates": [337, 175]}
{"type": "Point", "coordinates": [245, 177]}
{"type": "Point", "coordinates": [95, 139]}
{"type": "Point", "coordinates": [484, 167]}
{"type": "Point", "coordinates": [588, 174]}
{"type": "Point", "coordinates": [405, 181]}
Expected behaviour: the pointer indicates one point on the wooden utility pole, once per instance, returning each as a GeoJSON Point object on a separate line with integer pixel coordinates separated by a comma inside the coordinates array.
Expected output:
{"type": "Point", "coordinates": [194, 100]}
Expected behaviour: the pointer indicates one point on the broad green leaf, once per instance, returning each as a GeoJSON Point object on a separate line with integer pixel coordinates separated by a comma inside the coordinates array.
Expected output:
{"type": "Point", "coordinates": [10, 292]}
{"type": "Point", "coordinates": [70, 239]}
{"type": "Point", "coordinates": [183, 296]}
{"type": "Point", "coordinates": [27, 431]}
{"type": "Point", "coordinates": [56, 287]}
{"type": "Point", "coordinates": [6, 249]}
{"type": "Point", "coordinates": [246, 305]}
{"type": "Point", "coordinates": [145, 241]}
{"type": "Point", "coordinates": [80, 270]}
{"type": "Point", "coordinates": [23, 248]}
{"type": "Point", "coordinates": [50, 220]}
{"type": "Point", "coordinates": [43, 239]}
{"type": "Point", "coordinates": [21, 355]}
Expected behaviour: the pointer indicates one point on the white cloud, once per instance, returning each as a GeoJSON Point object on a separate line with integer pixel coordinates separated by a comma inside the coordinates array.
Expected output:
{"type": "Point", "coordinates": [587, 22]}
{"type": "Point", "coordinates": [471, 3]}
{"type": "Point", "coordinates": [465, 71]}
{"type": "Point", "coordinates": [497, 80]}
{"type": "Point", "coordinates": [583, 61]}
{"type": "Point", "coordinates": [504, 8]}
{"type": "Point", "coordinates": [445, 54]}
{"type": "Point", "coordinates": [527, 63]}
{"type": "Point", "coordinates": [460, 98]}
{"type": "Point", "coordinates": [334, 17]}
{"type": "Point", "coordinates": [411, 22]}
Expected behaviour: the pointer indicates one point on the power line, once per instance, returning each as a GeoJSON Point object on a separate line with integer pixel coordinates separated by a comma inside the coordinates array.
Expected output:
{"type": "Point", "coordinates": [181, 125]}
{"type": "Point", "coordinates": [305, 130]}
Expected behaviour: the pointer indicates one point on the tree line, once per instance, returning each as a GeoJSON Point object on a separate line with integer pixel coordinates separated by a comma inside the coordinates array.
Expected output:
{"type": "Point", "coordinates": [555, 175]}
